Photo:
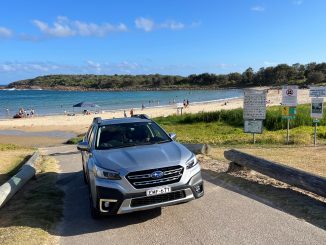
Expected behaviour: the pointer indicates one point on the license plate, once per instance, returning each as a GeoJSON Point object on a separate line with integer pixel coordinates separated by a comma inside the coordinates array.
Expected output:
{"type": "Point", "coordinates": [158, 191]}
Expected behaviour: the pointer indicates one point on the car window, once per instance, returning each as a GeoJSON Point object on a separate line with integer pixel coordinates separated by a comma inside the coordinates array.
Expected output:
{"type": "Point", "coordinates": [130, 134]}
{"type": "Point", "coordinates": [91, 137]}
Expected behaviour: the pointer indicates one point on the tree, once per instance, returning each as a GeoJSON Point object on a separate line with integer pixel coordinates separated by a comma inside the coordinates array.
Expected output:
{"type": "Point", "coordinates": [315, 77]}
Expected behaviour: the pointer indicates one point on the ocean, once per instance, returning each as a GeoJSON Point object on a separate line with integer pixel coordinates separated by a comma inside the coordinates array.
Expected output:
{"type": "Point", "coordinates": [49, 102]}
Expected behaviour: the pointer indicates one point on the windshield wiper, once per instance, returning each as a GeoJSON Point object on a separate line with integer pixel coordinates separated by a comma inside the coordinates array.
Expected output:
{"type": "Point", "coordinates": [163, 141]}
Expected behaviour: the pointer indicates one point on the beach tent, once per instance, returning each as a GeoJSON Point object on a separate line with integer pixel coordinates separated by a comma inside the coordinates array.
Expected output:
{"type": "Point", "coordinates": [85, 104]}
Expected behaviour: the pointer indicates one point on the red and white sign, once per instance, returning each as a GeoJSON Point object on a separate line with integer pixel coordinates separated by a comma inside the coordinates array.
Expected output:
{"type": "Point", "coordinates": [290, 95]}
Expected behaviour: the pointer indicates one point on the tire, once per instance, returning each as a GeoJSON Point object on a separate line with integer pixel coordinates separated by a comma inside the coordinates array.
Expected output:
{"type": "Point", "coordinates": [95, 212]}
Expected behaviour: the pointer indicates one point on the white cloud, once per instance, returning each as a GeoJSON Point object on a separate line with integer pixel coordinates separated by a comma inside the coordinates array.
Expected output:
{"type": "Point", "coordinates": [258, 8]}
{"type": "Point", "coordinates": [28, 67]}
{"type": "Point", "coordinates": [5, 32]}
{"type": "Point", "coordinates": [145, 24]}
{"type": "Point", "coordinates": [297, 2]}
{"type": "Point", "coordinates": [149, 25]}
{"type": "Point", "coordinates": [64, 27]}
{"type": "Point", "coordinates": [173, 25]}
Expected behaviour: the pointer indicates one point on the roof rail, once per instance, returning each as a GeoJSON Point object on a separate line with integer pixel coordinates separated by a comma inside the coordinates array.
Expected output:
{"type": "Point", "coordinates": [142, 116]}
{"type": "Point", "coordinates": [97, 120]}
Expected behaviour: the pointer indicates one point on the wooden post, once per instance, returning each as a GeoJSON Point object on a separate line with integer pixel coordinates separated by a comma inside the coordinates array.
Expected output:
{"type": "Point", "coordinates": [315, 134]}
{"type": "Point", "coordinates": [291, 176]}
{"type": "Point", "coordinates": [254, 138]}
{"type": "Point", "coordinates": [288, 131]}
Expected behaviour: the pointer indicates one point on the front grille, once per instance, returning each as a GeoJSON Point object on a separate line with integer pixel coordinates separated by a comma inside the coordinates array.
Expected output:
{"type": "Point", "coordinates": [143, 201]}
{"type": "Point", "coordinates": [143, 179]}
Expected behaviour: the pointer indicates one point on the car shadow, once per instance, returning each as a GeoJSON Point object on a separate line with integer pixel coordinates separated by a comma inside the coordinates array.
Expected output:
{"type": "Point", "coordinates": [77, 219]}
{"type": "Point", "coordinates": [286, 200]}
{"type": "Point", "coordinates": [64, 153]}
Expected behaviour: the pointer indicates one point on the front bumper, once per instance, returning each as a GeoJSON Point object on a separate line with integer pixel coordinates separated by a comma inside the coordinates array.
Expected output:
{"type": "Point", "coordinates": [120, 203]}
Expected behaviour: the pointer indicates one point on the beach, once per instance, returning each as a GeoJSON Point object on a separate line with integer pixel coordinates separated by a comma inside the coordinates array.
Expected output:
{"type": "Point", "coordinates": [79, 123]}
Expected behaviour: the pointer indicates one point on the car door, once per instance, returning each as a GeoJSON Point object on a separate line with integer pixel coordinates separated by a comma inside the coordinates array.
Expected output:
{"type": "Point", "coordinates": [88, 140]}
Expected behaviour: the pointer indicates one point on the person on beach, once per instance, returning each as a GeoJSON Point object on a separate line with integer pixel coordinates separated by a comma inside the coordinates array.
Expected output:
{"type": "Point", "coordinates": [124, 113]}
{"type": "Point", "coordinates": [142, 106]}
{"type": "Point", "coordinates": [187, 102]}
{"type": "Point", "coordinates": [131, 112]}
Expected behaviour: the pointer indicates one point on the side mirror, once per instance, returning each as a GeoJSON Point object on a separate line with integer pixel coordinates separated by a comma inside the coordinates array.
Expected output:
{"type": "Point", "coordinates": [83, 146]}
{"type": "Point", "coordinates": [173, 136]}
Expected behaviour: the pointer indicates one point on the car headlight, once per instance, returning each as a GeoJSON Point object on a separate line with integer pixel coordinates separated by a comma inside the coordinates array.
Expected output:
{"type": "Point", "coordinates": [105, 173]}
{"type": "Point", "coordinates": [191, 162]}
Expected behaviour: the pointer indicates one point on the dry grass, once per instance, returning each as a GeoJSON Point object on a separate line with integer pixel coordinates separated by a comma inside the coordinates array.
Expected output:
{"type": "Point", "coordinates": [309, 159]}
{"type": "Point", "coordinates": [11, 159]}
{"type": "Point", "coordinates": [30, 217]}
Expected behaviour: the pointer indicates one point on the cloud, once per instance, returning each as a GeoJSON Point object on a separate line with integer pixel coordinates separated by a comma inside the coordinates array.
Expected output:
{"type": "Point", "coordinates": [5, 32]}
{"type": "Point", "coordinates": [149, 25]}
{"type": "Point", "coordinates": [64, 27]}
{"type": "Point", "coordinates": [297, 2]}
{"type": "Point", "coordinates": [145, 24]}
{"type": "Point", "coordinates": [258, 8]}
{"type": "Point", "coordinates": [28, 67]}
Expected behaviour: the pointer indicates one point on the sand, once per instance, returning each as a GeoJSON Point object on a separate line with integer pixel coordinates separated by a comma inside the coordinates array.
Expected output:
{"type": "Point", "coordinates": [79, 123]}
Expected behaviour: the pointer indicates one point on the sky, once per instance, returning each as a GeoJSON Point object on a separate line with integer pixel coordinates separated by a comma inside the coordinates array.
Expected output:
{"type": "Point", "coordinates": [174, 37]}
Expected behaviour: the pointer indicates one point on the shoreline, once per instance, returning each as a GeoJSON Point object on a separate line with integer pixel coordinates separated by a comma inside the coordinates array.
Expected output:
{"type": "Point", "coordinates": [79, 123]}
{"type": "Point", "coordinates": [127, 109]}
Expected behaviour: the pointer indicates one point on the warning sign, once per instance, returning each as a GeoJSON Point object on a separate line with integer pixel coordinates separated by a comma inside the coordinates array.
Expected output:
{"type": "Point", "coordinates": [317, 107]}
{"type": "Point", "coordinates": [317, 92]}
{"type": "Point", "coordinates": [254, 104]}
{"type": "Point", "coordinates": [290, 95]}
{"type": "Point", "coordinates": [289, 112]}
{"type": "Point", "coordinates": [253, 126]}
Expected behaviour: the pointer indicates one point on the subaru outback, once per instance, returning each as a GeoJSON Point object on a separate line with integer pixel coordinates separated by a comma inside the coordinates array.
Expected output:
{"type": "Point", "coordinates": [132, 164]}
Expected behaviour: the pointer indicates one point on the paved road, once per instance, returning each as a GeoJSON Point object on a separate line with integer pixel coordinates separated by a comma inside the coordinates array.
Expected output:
{"type": "Point", "coordinates": [220, 217]}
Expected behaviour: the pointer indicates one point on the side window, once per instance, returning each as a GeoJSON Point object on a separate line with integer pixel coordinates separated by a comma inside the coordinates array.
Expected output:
{"type": "Point", "coordinates": [86, 137]}
{"type": "Point", "coordinates": [91, 136]}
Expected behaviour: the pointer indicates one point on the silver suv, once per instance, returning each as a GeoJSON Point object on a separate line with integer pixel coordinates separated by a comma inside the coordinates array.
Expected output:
{"type": "Point", "coordinates": [132, 164]}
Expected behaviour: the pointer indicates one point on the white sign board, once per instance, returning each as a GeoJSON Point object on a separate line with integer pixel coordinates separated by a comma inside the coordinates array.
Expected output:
{"type": "Point", "coordinates": [317, 92]}
{"type": "Point", "coordinates": [290, 95]}
{"type": "Point", "coordinates": [254, 104]}
{"type": "Point", "coordinates": [253, 126]}
{"type": "Point", "coordinates": [179, 105]}
{"type": "Point", "coordinates": [317, 105]}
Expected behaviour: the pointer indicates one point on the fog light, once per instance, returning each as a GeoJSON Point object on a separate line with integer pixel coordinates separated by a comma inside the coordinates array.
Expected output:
{"type": "Point", "coordinates": [106, 204]}
{"type": "Point", "coordinates": [198, 188]}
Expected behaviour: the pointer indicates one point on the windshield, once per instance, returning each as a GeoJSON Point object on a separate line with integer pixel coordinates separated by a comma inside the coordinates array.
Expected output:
{"type": "Point", "coordinates": [129, 134]}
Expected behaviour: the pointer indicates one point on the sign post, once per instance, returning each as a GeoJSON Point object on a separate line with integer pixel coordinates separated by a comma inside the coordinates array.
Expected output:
{"type": "Point", "coordinates": [289, 103]}
{"type": "Point", "coordinates": [254, 111]}
{"type": "Point", "coordinates": [317, 108]}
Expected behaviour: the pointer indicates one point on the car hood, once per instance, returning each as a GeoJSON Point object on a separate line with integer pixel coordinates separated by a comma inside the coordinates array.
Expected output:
{"type": "Point", "coordinates": [143, 157]}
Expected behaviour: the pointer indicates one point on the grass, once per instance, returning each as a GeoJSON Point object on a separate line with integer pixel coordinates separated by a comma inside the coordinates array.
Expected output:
{"type": "Point", "coordinates": [225, 127]}
{"type": "Point", "coordinates": [219, 133]}
{"type": "Point", "coordinates": [75, 140]}
{"type": "Point", "coordinates": [12, 157]}
{"type": "Point", "coordinates": [33, 212]}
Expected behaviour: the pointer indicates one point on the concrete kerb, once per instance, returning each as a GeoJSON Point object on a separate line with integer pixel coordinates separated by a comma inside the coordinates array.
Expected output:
{"type": "Point", "coordinates": [16, 182]}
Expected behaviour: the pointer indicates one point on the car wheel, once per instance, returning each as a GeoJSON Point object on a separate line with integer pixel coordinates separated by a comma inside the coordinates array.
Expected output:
{"type": "Point", "coordinates": [95, 213]}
